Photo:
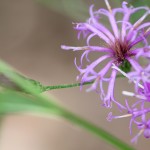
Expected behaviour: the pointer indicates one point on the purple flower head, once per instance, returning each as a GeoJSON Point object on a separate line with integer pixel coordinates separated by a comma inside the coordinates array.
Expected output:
{"type": "Point", "coordinates": [143, 99]}
{"type": "Point", "coordinates": [139, 110]}
{"type": "Point", "coordinates": [137, 117]}
{"type": "Point", "coordinates": [120, 45]}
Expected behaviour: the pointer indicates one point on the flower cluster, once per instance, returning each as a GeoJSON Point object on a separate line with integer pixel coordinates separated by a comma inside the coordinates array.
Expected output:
{"type": "Point", "coordinates": [124, 42]}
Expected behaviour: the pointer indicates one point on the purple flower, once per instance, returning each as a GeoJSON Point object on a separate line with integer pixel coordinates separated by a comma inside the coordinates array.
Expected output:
{"type": "Point", "coordinates": [120, 45]}
{"type": "Point", "coordinates": [138, 117]}
{"type": "Point", "coordinates": [139, 110]}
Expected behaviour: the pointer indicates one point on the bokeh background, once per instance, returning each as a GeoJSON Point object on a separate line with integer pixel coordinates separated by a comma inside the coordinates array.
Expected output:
{"type": "Point", "coordinates": [31, 33]}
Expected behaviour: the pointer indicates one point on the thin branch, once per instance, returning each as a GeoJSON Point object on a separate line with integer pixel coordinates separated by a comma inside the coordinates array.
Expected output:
{"type": "Point", "coordinates": [47, 88]}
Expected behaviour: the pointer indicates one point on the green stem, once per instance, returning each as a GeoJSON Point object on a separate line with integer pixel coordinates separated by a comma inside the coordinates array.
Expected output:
{"type": "Point", "coordinates": [47, 88]}
{"type": "Point", "coordinates": [63, 86]}
{"type": "Point", "coordinates": [95, 130]}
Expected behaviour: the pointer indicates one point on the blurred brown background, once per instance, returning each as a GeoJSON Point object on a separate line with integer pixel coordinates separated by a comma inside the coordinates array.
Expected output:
{"type": "Point", "coordinates": [30, 39]}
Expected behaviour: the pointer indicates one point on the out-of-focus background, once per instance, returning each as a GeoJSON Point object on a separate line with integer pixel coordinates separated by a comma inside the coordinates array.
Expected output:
{"type": "Point", "coordinates": [30, 37]}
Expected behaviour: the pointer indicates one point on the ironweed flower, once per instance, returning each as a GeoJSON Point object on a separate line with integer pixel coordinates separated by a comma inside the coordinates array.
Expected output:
{"type": "Point", "coordinates": [120, 46]}
{"type": "Point", "coordinates": [139, 110]}
{"type": "Point", "coordinates": [138, 117]}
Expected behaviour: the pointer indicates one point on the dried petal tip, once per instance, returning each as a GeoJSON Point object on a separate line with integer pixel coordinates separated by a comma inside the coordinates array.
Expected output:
{"type": "Point", "coordinates": [65, 47]}
{"type": "Point", "coordinates": [73, 48]}
{"type": "Point", "coordinates": [108, 5]}
{"type": "Point", "coordinates": [128, 93]}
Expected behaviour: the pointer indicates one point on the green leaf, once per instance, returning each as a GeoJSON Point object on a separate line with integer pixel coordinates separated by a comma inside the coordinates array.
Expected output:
{"type": "Point", "coordinates": [96, 130]}
{"type": "Point", "coordinates": [28, 85]}
{"type": "Point", "coordinates": [12, 80]}
{"type": "Point", "coordinates": [14, 102]}
{"type": "Point", "coordinates": [6, 82]}
{"type": "Point", "coordinates": [11, 102]}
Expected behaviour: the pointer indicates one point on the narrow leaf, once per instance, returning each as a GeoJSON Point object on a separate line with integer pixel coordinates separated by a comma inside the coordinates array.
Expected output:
{"type": "Point", "coordinates": [11, 102]}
